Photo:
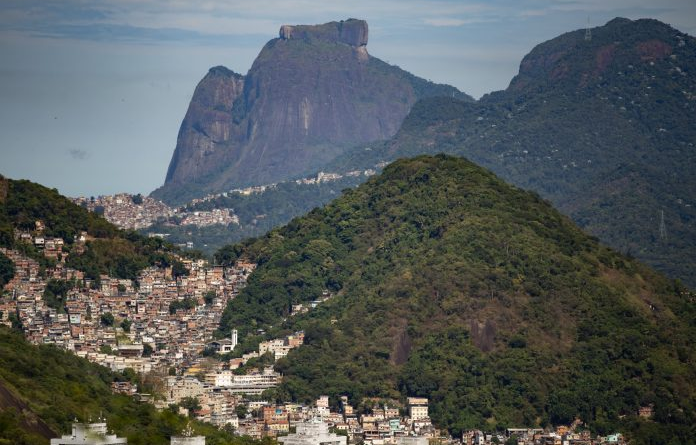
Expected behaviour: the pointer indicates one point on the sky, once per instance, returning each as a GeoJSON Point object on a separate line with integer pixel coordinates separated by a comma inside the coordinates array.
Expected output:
{"type": "Point", "coordinates": [92, 92]}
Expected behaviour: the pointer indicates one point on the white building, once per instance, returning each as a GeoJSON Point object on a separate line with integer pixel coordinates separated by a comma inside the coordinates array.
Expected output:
{"type": "Point", "coordinates": [417, 408]}
{"type": "Point", "coordinates": [255, 382]}
{"type": "Point", "coordinates": [271, 346]}
{"type": "Point", "coordinates": [89, 434]}
{"type": "Point", "coordinates": [221, 378]}
{"type": "Point", "coordinates": [195, 440]}
{"type": "Point", "coordinates": [234, 339]}
{"type": "Point", "coordinates": [314, 432]}
{"type": "Point", "coordinates": [177, 388]}
{"type": "Point", "coordinates": [187, 438]}
{"type": "Point", "coordinates": [411, 440]}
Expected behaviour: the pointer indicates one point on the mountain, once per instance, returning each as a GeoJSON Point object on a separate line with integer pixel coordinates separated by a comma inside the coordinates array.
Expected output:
{"type": "Point", "coordinates": [603, 128]}
{"type": "Point", "coordinates": [310, 93]}
{"type": "Point", "coordinates": [450, 284]}
{"type": "Point", "coordinates": [43, 388]}
{"type": "Point", "coordinates": [257, 212]}
{"type": "Point", "coordinates": [106, 249]}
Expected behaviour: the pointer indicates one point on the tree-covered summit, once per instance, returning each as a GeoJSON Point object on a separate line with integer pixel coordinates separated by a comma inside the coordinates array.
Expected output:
{"type": "Point", "coordinates": [30, 208]}
{"type": "Point", "coordinates": [450, 284]}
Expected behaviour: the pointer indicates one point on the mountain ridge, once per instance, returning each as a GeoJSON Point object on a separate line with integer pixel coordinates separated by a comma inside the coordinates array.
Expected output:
{"type": "Point", "coordinates": [310, 94]}
{"type": "Point", "coordinates": [602, 128]}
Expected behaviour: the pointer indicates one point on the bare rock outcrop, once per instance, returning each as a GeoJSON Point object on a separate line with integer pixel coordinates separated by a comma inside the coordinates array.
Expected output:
{"type": "Point", "coordinates": [351, 32]}
{"type": "Point", "coordinates": [309, 95]}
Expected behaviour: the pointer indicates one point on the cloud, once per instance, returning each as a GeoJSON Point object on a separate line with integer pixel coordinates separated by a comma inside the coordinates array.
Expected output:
{"type": "Point", "coordinates": [178, 20]}
{"type": "Point", "coordinates": [78, 154]}
{"type": "Point", "coordinates": [444, 21]}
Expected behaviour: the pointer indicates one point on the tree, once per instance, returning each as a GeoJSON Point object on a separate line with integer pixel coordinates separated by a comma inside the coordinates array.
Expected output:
{"type": "Point", "coordinates": [107, 319]}
{"type": "Point", "coordinates": [126, 324]}
{"type": "Point", "coordinates": [191, 404]}
{"type": "Point", "coordinates": [7, 270]}
{"type": "Point", "coordinates": [209, 297]}
{"type": "Point", "coordinates": [56, 292]}
{"type": "Point", "coordinates": [16, 322]}
{"type": "Point", "coordinates": [185, 304]}
{"type": "Point", "coordinates": [137, 199]}
{"type": "Point", "coordinates": [147, 350]}
{"type": "Point", "coordinates": [179, 269]}
{"type": "Point", "coordinates": [241, 411]}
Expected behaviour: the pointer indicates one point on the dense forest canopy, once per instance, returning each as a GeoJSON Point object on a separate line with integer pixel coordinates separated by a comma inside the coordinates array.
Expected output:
{"type": "Point", "coordinates": [450, 284]}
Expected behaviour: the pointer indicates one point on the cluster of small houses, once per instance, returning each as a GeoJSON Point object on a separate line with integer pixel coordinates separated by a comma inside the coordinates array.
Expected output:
{"type": "Point", "coordinates": [171, 339]}
{"type": "Point", "coordinates": [321, 177]}
{"type": "Point", "coordinates": [176, 341]}
{"type": "Point", "coordinates": [128, 212]}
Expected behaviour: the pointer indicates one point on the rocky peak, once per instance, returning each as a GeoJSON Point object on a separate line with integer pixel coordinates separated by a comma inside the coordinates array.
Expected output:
{"type": "Point", "coordinates": [308, 96]}
{"type": "Point", "coordinates": [351, 32]}
{"type": "Point", "coordinates": [576, 59]}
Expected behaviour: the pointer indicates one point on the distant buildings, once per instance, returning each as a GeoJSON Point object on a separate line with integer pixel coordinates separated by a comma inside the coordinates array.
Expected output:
{"type": "Point", "coordinates": [133, 212]}
{"type": "Point", "coordinates": [187, 438]}
{"type": "Point", "coordinates": [417, 408]}
{"type": "Point", "coordinates": [314, 432]}
{"type": "Point", "coordinates": [224, 345]}
{"type": "Point", "coordinates": [89, 434]}
{"type": "Point", "coordinates": [97, 434]}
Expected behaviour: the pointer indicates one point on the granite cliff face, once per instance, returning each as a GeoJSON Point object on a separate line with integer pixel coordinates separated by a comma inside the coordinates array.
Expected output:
{"type": "Point", "coordinates": [207, 125]}
{"type": "Point", "coordinates": [310, 93]}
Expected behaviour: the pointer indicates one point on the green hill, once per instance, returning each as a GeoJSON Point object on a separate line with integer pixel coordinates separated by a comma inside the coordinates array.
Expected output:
{"type": "Point", "coordinates": [43, 388]}
{"type": "Point", "coordinates": [453, 285]}
{"type": "Point", "coordinates": [109, 250]}
{"type": "Point", "coordinates": [604, 129]}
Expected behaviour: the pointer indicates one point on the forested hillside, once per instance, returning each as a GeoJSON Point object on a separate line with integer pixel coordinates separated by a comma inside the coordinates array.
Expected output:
{"type": "Point", "coordinates": [258, 212]}
{"type": "Point", "coordinates": [450, 284]}
{"type": "Point", "coordinates": [605, 129]}
{"type": "Point", "coordinates": [43, 389]}
{"type": "Point", "coordinates": [107, 249]}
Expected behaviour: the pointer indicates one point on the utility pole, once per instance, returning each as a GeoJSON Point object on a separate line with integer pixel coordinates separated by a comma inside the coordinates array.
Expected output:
{"type": "Point", "coordinates": [663, 227]}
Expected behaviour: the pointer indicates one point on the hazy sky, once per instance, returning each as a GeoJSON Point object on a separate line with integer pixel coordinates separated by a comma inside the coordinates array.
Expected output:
{"type": "Point", "coordinates": [92, 93]}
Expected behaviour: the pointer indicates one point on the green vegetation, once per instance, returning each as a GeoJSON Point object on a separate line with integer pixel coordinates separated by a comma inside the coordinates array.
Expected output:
{"type": "Point", "coordinates": [604, 129]}
{"type": "Point", "coordinates": [191, 404]}
{"type": "Point", "coordinates": [52, 387]}
{"type": "Point", "coordinates": [208, 297]}
{"type": "Point", "coordinates": [107, 319]}
{"type": "Point", "coordinates": [112, 251]}
{"type": "Point", "coordinates": [56, 293]}
{"type": "Point", "coordinates": [258, 213]}
{"type": "Point", "coordinates": [452, 285]}
{"type": "Point", "coordinates": [7, 270]}
{"type": "Point", "coordinates": [186, 304]}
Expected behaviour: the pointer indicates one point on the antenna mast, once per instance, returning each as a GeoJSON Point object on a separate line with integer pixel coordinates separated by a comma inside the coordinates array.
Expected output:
{"type": "Point", "coordinates": [588, 31]}
{"type": "Point", "coordinates": [663, 227]}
